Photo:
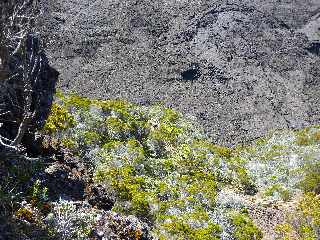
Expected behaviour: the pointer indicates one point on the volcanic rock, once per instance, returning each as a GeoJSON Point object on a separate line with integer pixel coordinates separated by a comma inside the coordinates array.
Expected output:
{"type": "Point", "coordinates": [241, 67]}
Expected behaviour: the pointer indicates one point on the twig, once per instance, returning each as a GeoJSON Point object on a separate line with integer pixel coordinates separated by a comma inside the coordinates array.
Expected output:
{"type": "Point", "coordinates": [15, 34]}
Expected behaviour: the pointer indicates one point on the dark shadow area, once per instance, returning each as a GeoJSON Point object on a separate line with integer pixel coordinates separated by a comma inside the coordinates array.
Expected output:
{"type": "Point", "coordinates": [314, 48]}
{"type": "Point", "coordinates": [191, 74]}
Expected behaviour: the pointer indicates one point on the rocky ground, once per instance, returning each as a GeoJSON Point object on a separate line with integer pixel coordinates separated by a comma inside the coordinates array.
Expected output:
{"type": "Point", "coordinates": [241, 67]}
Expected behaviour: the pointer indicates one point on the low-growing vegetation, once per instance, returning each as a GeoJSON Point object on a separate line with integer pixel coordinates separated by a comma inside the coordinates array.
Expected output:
{"type": "Point", "coordinates": [157, 165]}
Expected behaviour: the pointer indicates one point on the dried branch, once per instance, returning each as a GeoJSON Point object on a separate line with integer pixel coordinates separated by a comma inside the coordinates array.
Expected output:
{"type": "Point", "coordinates": [14, 36]}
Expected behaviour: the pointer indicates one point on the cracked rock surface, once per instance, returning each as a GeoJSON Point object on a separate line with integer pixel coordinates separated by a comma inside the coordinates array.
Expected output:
{"type": "Point", "coordinates": [241, 67]}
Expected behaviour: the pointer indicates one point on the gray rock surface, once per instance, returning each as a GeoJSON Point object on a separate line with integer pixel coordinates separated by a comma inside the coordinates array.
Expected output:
{"type": "Point", "coordinates": [241, 67]}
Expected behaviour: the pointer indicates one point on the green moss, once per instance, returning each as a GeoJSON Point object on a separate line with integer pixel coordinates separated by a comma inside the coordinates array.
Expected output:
{"type": "Point", "coordinates": [68, 143]}
{"type": "Point", "coordinates": [121, 107]}
{"type": "Point", "coordinates": [182, 230]}
{"type": "Point", "coordinates": [166, 132]}
{"type": "Point", "coordinates": [246, 182]}
{"type": "Point", "coordinates": [308, 136]}
{"type": "Point", "coordinates": [245, 228]}
{"type": "Point", "coordinates": [117, 105]}
{"type": "Point", "coordinates": [118, 125]}
{"type": "Point", "coordinates": [203, 183]}
{"type": "Point", "coordinates": [136, 148]}
{"type": "Point", "coordinates": [272, 154]}
{"type": "Point", "coordinates": [285, 231]}
{"type": "Point", "coordinates": [166, 129]}
{"type": "Point", "coordinates": [310, 208]}
{"type": "Point", "coordinates": [112, 144]}
{"type": "Point", "coordinates": [170, 115]}
{"type": "Point", "coordinates": [220, 151]}
{"type": "Point", "coordinates": [24, 213]}
{"type": "Point", "coordinates": [128, 187]}
{"type": "Point", "coordinates": [304, 222]}
{"type": "Point", "coordinates": [307, 233]}
{"type": "Point", "coordinates": [91, 137]}
{"type": "Point", "coordinates": [223, 151]}
{"type": "Point", "coordinates": [260, 141]}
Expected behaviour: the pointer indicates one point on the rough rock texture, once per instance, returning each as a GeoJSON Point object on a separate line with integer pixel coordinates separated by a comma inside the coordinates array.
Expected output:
{"type": "Point", "coordinates": [113, 226]}
{"type": "Point", "coordinates": [241, 67]}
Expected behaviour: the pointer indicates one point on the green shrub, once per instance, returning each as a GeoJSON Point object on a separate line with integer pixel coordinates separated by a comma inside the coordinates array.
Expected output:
{"type": "Point", "coordinates": [278, 189]}
{"type": "Point", "coordinates": [157, 165]}
{"type": "Point", "coordinates": [304, 222]}
{"type": "Point", "coordinates": [308, 136]}
{"type": "Point", "coordinates": [245, 228]}
{"type": "Point", "coordinates": [311, 180]}
{"type": "Point", "coordinates": [59, 119]}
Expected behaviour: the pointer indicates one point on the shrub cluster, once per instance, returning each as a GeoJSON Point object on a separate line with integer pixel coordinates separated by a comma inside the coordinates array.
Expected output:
{"type": "Point", "coordinates": [159, 166]}
{"type": "Point", "coordinates": [285, 164]}
{"type": "Point", "coordinates": [155, 163]}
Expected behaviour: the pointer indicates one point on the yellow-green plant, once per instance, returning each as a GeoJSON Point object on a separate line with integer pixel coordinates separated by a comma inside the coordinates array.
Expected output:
{"type": "Point", "coordinates": [245, 228]}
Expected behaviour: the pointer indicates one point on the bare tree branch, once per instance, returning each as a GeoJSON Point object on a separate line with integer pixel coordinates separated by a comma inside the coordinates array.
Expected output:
{"type": "Point", "coordinates": [15, 36]}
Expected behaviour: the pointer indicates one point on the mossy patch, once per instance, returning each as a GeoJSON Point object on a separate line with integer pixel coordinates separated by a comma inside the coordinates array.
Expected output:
{"type": "Point", "coordinates": [304, 222]}
{"type": "Point", "coordinates": [308, 136]}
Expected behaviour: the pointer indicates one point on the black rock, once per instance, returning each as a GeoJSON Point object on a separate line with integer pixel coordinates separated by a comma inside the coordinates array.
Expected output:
{"type": "Point", "coordinates": [98, 197]}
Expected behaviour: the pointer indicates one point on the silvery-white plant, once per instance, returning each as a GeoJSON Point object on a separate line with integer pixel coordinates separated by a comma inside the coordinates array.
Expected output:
{"type": "Point", "coordinates": [72, 220]}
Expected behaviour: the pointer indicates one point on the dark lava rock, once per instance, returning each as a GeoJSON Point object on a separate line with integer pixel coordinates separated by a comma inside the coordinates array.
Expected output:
{"type": "Point", "coordinates": [63, 182]}
{"type": "Point", "coordinates": [14, 229]}
{"type": "Point", "coordinates": [97, 196]}
{"type": "Point", "coordinates": [113, 226]}
{"type": "Point", "coordinates": [257, 62]}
